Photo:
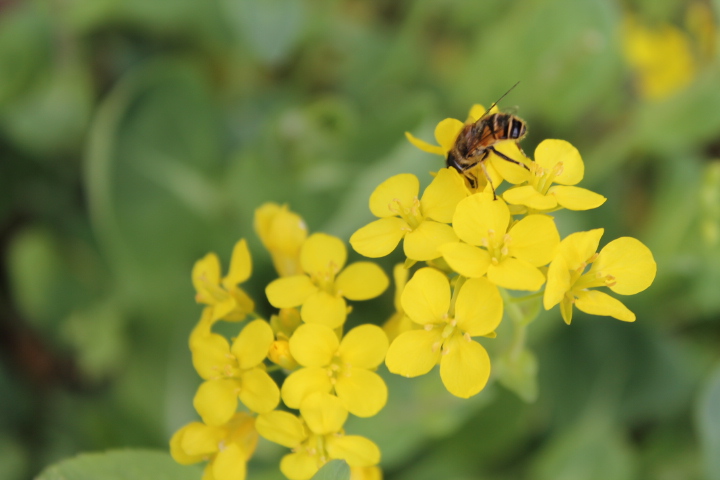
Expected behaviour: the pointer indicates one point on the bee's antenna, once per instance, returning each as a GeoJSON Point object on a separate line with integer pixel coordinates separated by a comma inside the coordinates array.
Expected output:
{"type": "Point", "coordinates": [501, 97]}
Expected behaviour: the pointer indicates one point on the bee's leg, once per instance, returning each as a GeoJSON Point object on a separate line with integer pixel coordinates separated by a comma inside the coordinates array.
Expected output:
{"type": "Point", "coordinates": [489, 180]}
{"type": "Point", "coordinates": [505, 157]}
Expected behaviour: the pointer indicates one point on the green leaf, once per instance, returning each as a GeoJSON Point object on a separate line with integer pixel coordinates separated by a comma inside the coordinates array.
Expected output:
{"type": "Point", "coordinates": [121, 465]}
{"type": "Point", "coordinates": [708, 425]}
{"type": "Point", "coordinates": [334, 470]}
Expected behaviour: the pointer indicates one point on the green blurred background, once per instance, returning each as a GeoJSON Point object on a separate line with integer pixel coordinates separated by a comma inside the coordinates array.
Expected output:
{"type": "Point", "coordinates": [137, 135]}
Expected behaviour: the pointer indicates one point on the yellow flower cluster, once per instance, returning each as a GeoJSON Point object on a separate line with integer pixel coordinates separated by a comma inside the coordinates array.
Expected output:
{"type": "Point", "coordinates": [477, 245]}
{"type": "Point", "coordinates": [294, 379]}
{"type": "Point", "coordinates": [328, 373]}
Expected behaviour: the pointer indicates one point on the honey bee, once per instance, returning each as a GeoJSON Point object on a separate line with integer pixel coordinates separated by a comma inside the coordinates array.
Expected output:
{"type": "Point", "coordinates": [477, 140]}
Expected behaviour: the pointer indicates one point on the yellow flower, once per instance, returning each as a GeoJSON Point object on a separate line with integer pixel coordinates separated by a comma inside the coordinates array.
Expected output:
{"type": "Point", "coordinates": [228, 447]}
{"type": "Point", "coordinates": [556, 161]}
{"type": "Point", "coordinates": [340, 366]}
{"type": "Point", "coordinates": [446, 134]}
{"type": "Point", "coordinates": [422, 223]}
{"type": "Point", "coordinates": [447, 331]}
{"type": "Point", "coordinates": [229, 302]}
{"type": "Point", "coordinates": [509, 257]}
{"type": "Point", "coordinates": [662, 58]}
{"type": "Point", "coordinates": [625, 265]}
{"type": "Point", "coordinates": [398, 322]}
{"type": "Point", "coordinates": [282, 232]}
{"type": "Point", "coordinates": [233, 372]}
{"type": "Point", "coordinates": [316, 438]}
{"type": "Point", "coordinates": [324, 285]}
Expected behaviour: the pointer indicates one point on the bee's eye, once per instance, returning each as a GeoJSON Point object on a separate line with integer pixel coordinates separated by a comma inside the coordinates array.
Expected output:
{"type": "Point", "coordinates": [516, 129]}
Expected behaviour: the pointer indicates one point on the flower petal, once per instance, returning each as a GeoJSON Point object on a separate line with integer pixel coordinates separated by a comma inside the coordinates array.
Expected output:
{"type": "Point", "coordinates": [324, 309]}
{"type": "Point", "coordinates": [535, 239]}
{"type": "Point", "coordinates": [194, 442]}
{"type": "Point", "coordinates": [402, 188]}
{"type": "Point", "coordinates": [576, 198]}
{"type": "Point", "coordinates": [426, 297]}
{"type": "Point", "coordinates": [314, 345]}
{"type": "Point", "coordinates": [299, 466]}
{"type": "Point", "coordinates": [558, 282]}
{"type": "Point", "coordinates": [443, 194]}
{"type": "Point", "coordinates": [259, 392]}
{"type": "Point", "coordinates": [290, 291]}
{"type": "Point", "coordinates": [252, 345]}
{"type": "Point", "coordinates": [216, 400]}
{"type": "Point", "coordinates": [599, 303]}
{"type": "Point", "coordinates": [528, 196]}
{"type": "Point", "coordinates": [229, 463]}
{"type": "Point", "coordinates": [423, 145]}
{"type": "Point", "coordinates": [363, 392]}
{"type": "Point", "coordinates": [322, 253]}
{"type": "Point", "coordinates": [379, 238]}
{"type": "Point", "coordinates": [240, 265]}
{"type": "Point", "coordinates": [478, 214]}
{"type": "Point", "coordinates": [210, 355]}
{"type": "Point", "coordinates": [464, 366]}
{"type": "Point", "coordinates": [356, 450]}
{"type": "Point", "coordinates": [510, 171]}
{"type": "Point", "coordinates": [206, 270]}
{"type": "Point", "coordinates": [364, 346]}
{"type": "Point", "coordinates": [577, 248]}
{"type": "Point", "coordinates": [467, 260]}
{"type": "Point", "coordinates": [516, 274]}
{"type": "Point", "coordinates": [479, 307]}
{"type": "Point", "coordinates": [422, 243]}
{"type": "Point", "coordinates": [446, 133]}
{"type": "Point", "coordinates": [414, 353]}
{"type": "Point", "coordinates": [302, 383]}
{"type": "Point", "coordinates": [551, 152]}
{"type": "Point", "coordinates": [323, 413]}
{"type": "Point", "coordinates": [477, 111]}
{"type": "Point", "coordinates": [282, 428]}
{"type": "Point", "coordinates": [630, 262]}
{"type": "Point", "coordinates": [361, 281]}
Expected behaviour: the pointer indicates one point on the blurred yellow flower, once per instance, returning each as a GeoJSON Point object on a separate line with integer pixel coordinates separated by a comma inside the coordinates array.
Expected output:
{"type": "Point", "coordinates": [343, 367]}
{"type": "Point", "coordinates": [447, 330]}
{"type": "Point", "coordinates": [625, 265]}
{"type": "Point", "coordinates": [229, 302]}
{"type": "Point", "coordinates": [556, 161]}
{"type": "Point", "coordinates": [422, 223]}
{"type": "Point", "coordinates": [228, 447]}
{"type": "Point", "coordinates": [509, 254]}
{"type": "Point", "coordinates": [282, 232]}
{"type": "Point", "coordinates": [324, 285]}
{"type": "Point", "coordinates": [316, 437]}
{"type": "Point", "coordinates": [661, 57]}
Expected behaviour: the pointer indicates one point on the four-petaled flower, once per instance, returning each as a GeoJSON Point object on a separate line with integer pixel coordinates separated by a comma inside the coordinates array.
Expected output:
{"type": "Point", "coordinates": [343, 367]}
{"type": "Point", "coordinates": [324, 286]}
{"type": "Point", "coordinates": [233, 372]}
{"type": "Point", "coordinates": [316, 438]}
{"type": "Point", "coordinates": [422, 223]}
{"type": "Point", "coordinates": [556, 161]}
{"type": "Point", "coordinates": [625, 266]}
{"type": "Point", "coordinates": [228, 447]}
{"type": "Point", "coordinates": [446, 336]}
{"type": "Point", "coordinates": [509, 254]}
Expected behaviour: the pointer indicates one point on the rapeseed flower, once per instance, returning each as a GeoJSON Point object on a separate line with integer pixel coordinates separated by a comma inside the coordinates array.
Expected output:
{"type": "Point", "coordinates": [282, 233]}
{"type": "Point", "coordinates": [227, 447]}
{"type": "Point", "coordinates": [421, 223]}
{"type": "Point", "coordinates": [624, 265]}
{"type": "Point", "coordinates": [233, 372]}
{"type": "Point", "coordinates": [316, 437]}
{"type": "Point", "coordinates": [508, 253]}
{"type": "Point", "coordinates": [448, 327]}
{"type": "Point", "coordinates": [229, 301]}
{"type": "Point", "coordinates": [323, 286]}
{"type": "Point", "coordinates": [556, 161]}
{"type": "Point", "coordinates": [340, 366]}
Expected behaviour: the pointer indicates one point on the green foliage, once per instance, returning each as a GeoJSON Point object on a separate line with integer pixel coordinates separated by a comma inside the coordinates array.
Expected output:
{"type": "Point", "coordinates": [137, 136]}
{"type": "Point", "coordinates": [333, 470]}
